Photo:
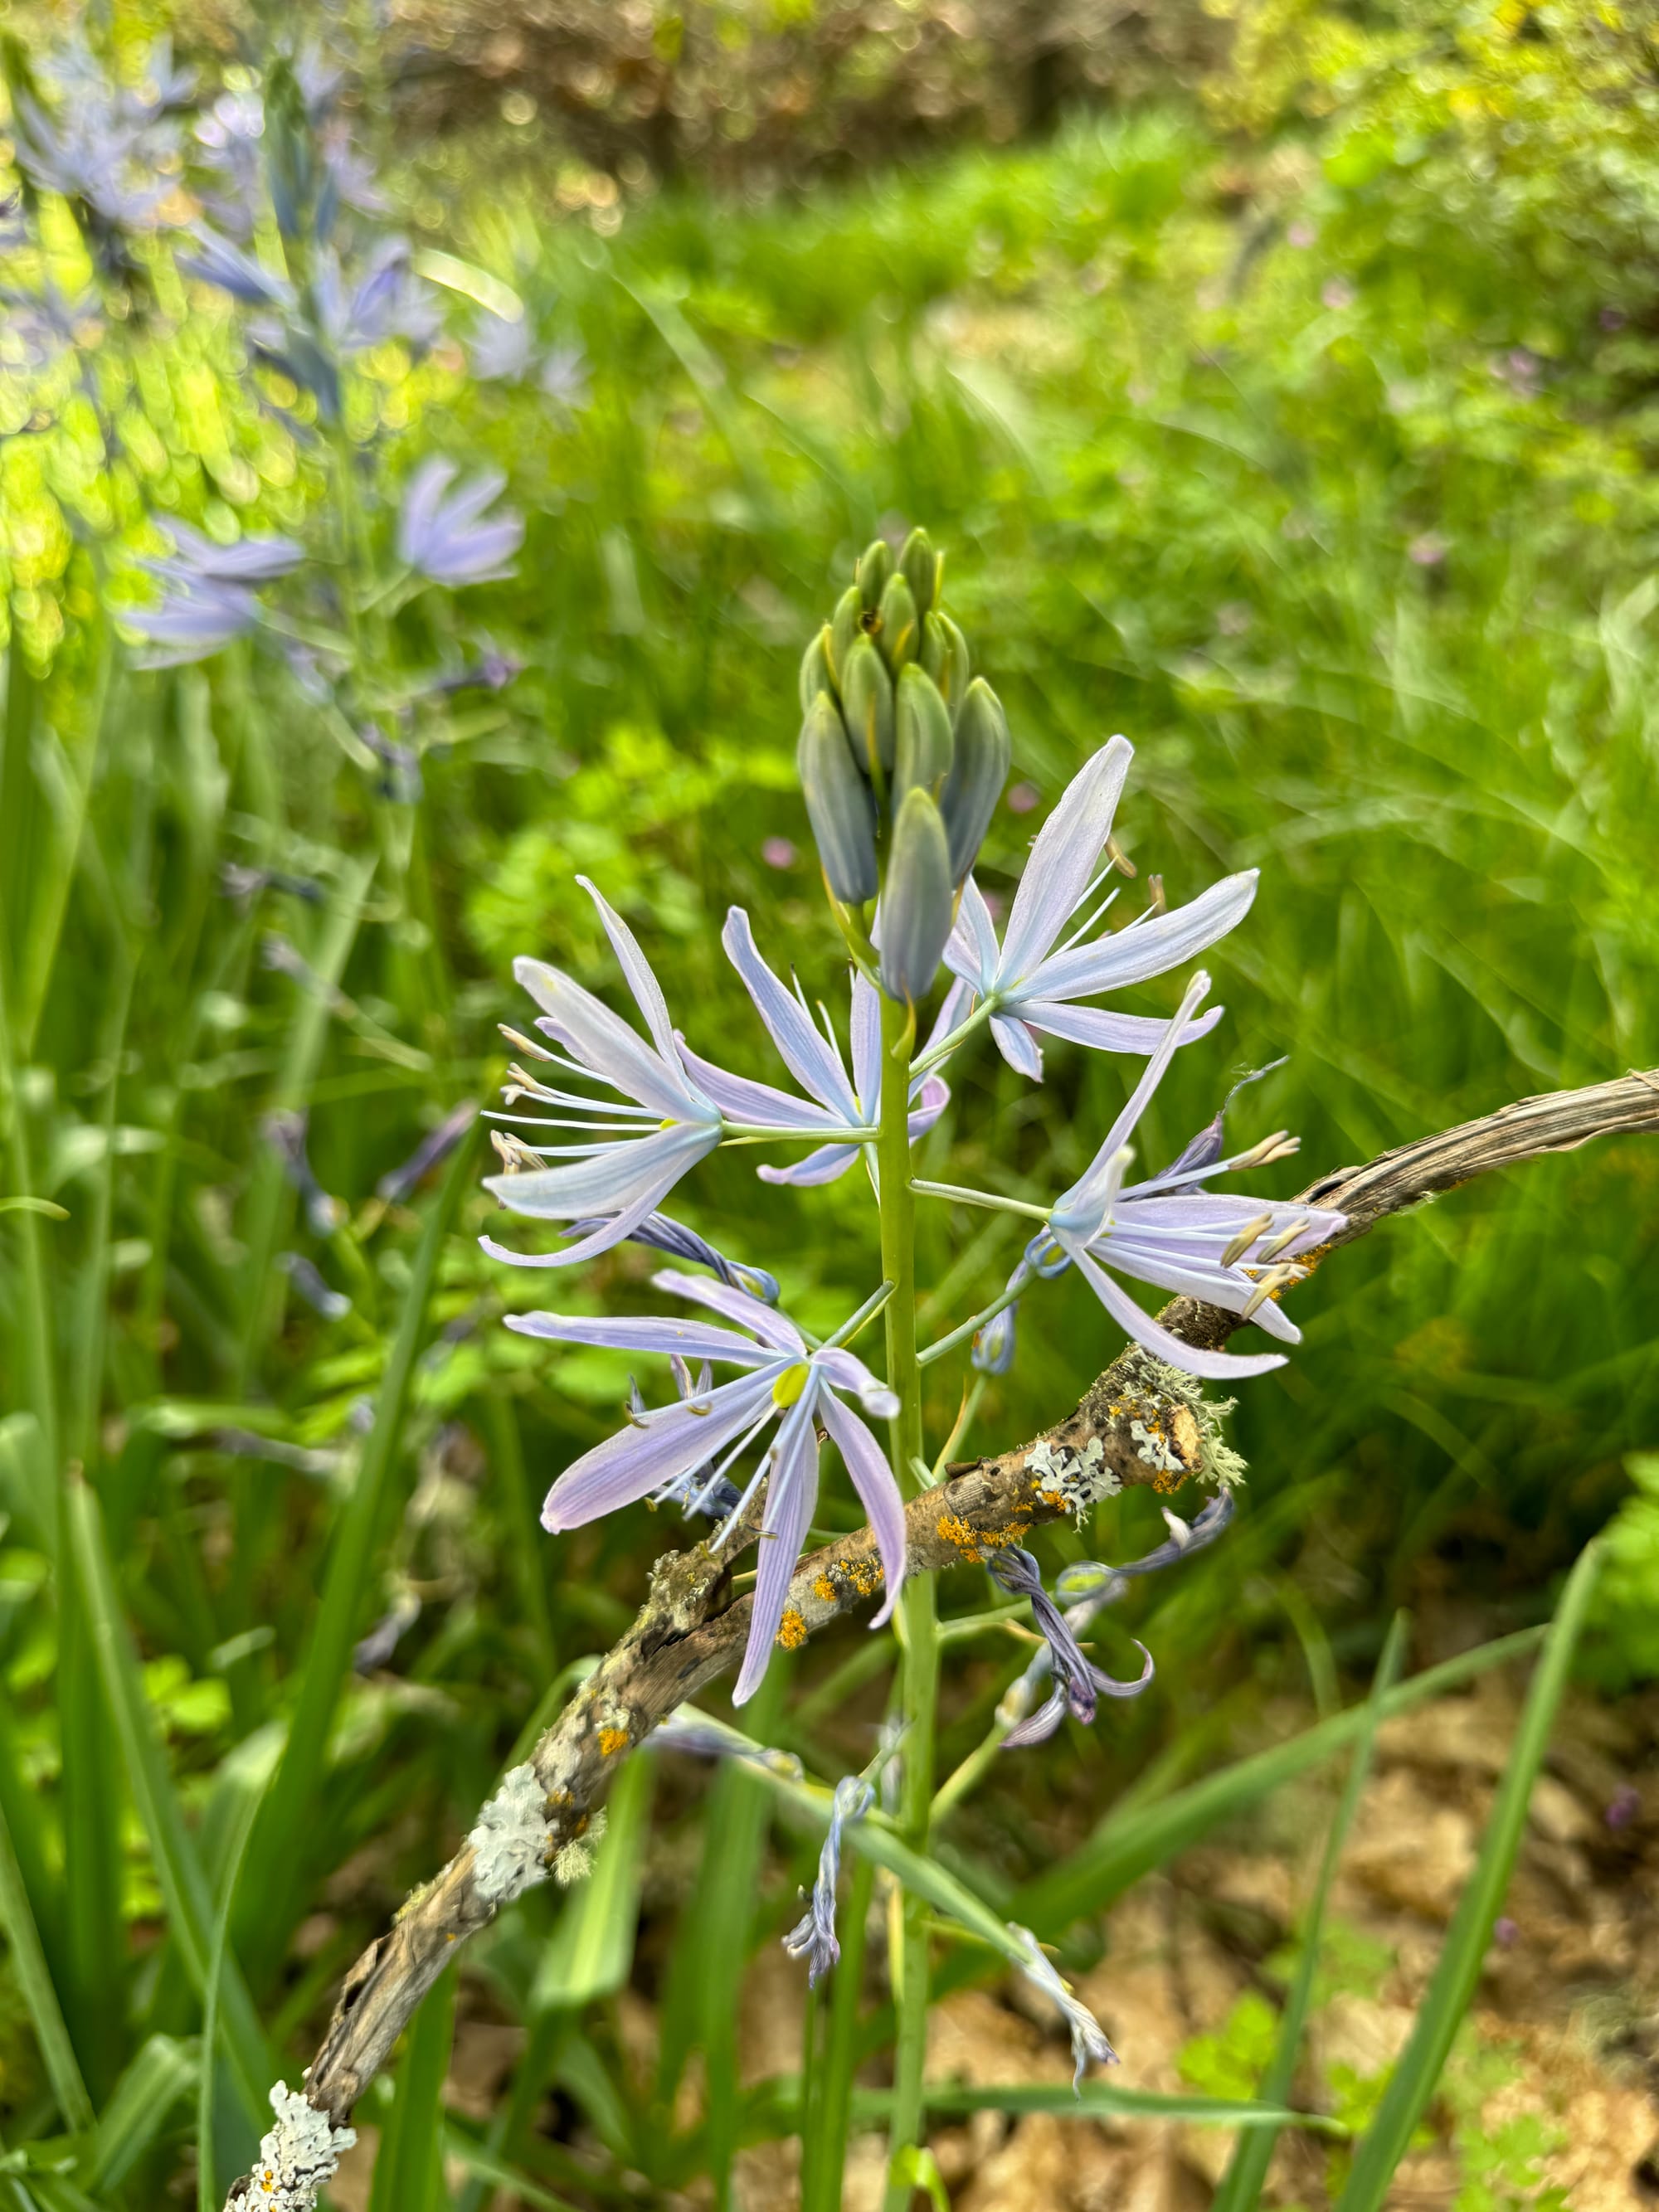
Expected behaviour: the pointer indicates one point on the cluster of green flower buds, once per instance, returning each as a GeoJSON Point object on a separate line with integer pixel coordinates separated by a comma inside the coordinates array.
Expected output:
{"type": "Point", "coordinates": [902, 754]}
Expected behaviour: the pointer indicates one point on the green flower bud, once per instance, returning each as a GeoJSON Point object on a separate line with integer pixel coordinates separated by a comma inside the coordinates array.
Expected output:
{"type": "Point", "coordinates": [918, 905]}
{"type": "Point", "coordinates": [944, 656]}
{"type": "Point", "coordinates": [978, 772]}
{"type": "Point", "coordinates": [922, 735]}
{"type": "Point", "coordinates": [866, 698]}
{"type": "Point", "coordinates": [838, 804]}
{"type": "Point", "coordinates": [845, 630]}
{"type": "Point", "coordinates": [875, 566]}
{"type": "Point", "coordinates": [815, 675]}
{"type": "Point", "coordinates": [923, 570]}
{"type": "Point", "coordinates": [898, 633]}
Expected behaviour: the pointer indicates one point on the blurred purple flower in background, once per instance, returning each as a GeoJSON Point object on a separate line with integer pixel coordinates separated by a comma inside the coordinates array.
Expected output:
{"type": "Point", "coordinates": [448, 539]}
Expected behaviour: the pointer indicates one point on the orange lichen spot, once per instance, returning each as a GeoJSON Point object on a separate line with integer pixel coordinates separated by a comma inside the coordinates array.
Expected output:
{"type": "Point", "coordinates": [955, 1530]}
{"type": "Point", "coordinates": [1051, 1499]}
{"type": "Point", "coordinates": [824, 1590]}
{"type": "Point", "coordinates": [791, 1630]}
{"type": "Point", "coordinates": [866, 1576]}
{"type": "Point", "coordinates": [611, 1740]}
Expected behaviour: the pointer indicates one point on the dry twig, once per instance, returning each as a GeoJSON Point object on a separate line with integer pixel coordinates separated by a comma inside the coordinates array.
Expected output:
{"type": "Point", "coordinates": [691, 1629]}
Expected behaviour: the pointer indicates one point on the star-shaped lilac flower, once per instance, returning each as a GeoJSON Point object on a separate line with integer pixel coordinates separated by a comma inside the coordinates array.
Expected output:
{"type": "Point", "coordinates": [833, 1103]}
{"type": "Point", "coordinates": [1028, 985]}
{"type": "Point", "coordinates": [1168, 1230]}
{"type": "Point", "coordinates": [783, 1380]}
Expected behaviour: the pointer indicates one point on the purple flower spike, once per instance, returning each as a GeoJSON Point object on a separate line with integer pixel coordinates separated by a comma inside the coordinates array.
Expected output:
{"type": "Point", "coordinates": [1167, 1231]}
{"type": "Point", "coordinates": [813, 1937]}
{"type": "Point", "coordinates": [1077, 1683]}
{"type": "Point", "coordinates": [446, 538]}
{"type": "Point", "coordinates": [1030, 986]}
{"type": "Point", "coordinates": [782, 1380]}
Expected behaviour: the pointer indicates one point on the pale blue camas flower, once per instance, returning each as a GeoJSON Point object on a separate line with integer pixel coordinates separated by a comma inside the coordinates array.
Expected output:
{"type": "Point", "coordinates": [834, 1101]}
{"type": "Point", "coordinates": [1169, 1231]}
{"type": "Point", "coordinates": [445, 536]}
{"type": "Point", "coordinates": [210, 595]}
{"type": "Point", "coordinates": [1029, 984]}
{"type": "Point", "coordinates": [672, 1110]}
{"type": "Point", "coordinates": [783, 1380]}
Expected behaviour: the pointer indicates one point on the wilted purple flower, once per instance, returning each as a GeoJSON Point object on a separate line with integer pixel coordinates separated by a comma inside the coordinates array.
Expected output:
{"type": "Point", "coordinates": [491, 671]}
{"type": "Point", "coordinates": [1088, 2037]}
{"type": "Point", "coordinates": [331, 1305]}
{"type": "Point", "coordinates": [1093, 1586]}
{"type": "Point", "coordinates": [402, 783]}
{"type": "Point", "coordinates": [835, 1108]}
{"type": "Point", "coordinates": [1232, 1252]}
{"type": "Point", "coordinates": [285, 1133]}
{"type": "Point", "coordinates": [374, 1651]}
{"type": "Point", "coordinates": [784, 1381]}
{"type": "Point", "coordinates": [1099, 1584]}
{"type": "Point", "coordinates": [437, 1145]}
{"type": "Point", "coordinates": [282, 959]}
{"type": "Point", "coordinates": [659, 1234]}
{"type": "Point", "coordinates": [1077, 1683]}
{"type": "Point", "coordinates": [447, 539]}
{"type": "Point", "coordinates": [994, 1346]}
{"type": "Point", "coordinates": [1029, 986]}
{"type": "Point", "coordinates": [813, 1937]}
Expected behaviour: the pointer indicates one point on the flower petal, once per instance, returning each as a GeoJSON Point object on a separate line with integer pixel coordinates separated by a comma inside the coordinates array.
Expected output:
{"type": "Point", "coordinates": [647, 992]}
{"type": "Point", "coordinates": [770, 1325]}
{"type": "Point", "coordinates": [742, 1099]}
{"type": "Point", "coordinates": [1145, 948]}
{"type": "Point", "coordinates": [1017, 1046]}
{"type": "Point", "coordinates": [603, 1041]}
{"type": "Point", "coordinates": [1188, 1278]}
{"type": "Point", "coordinates": [610, 1180]}
{"type": "Point", "coordinates": [972, 953]}
{"type": "Point", "coordinates": [867, 1046]}
{"type": "Point", "coordinates": [822, 1166]}
{"type": "Point", "coordinates": [848, 1372]}
{"type": "Point", "coordinates": [1217, 1366]}
{"type": "Point", "coordinates": [930, 1100]}
{"type": "Point", "coordinates": [1063, 860]}
{"type": "Point", "coordinates": [791, 1489]}
{"type": "Point", "coordinates": [692, 1339]}
{"type": "Point", "coordinates": [1085, 1193]}
{"type": "Point", "coordinates": [1107, 1032]}
{"type": "Point", "coordinates": [808, 1057]}
{"type": "Point", "coordinates": [636, 1460]}
{"type": "Point", "coordinates": [878, 1492]}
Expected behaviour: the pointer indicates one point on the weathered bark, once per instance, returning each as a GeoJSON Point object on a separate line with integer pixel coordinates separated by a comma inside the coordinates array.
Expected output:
{"type": "Point", "coordinates": [692, 1629]}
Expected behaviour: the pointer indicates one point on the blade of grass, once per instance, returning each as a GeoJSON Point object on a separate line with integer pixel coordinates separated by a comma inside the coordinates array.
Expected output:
{"type": "Point", "coordinates": [28, 1964]}
{"type": "Point", "coordinates": [184, 1887]}
{"type": "Point", "coordinates": [1100, 2100]}
{"type": "Point", "coordinates": [1241, 2185]}
{"type": "Point", "coordinates": [1125, 1847]}
{"type": "Point", "coordinates": [207, 2193]}
{"type": "Point", "coordinates": [409, 2173]}
{"type": "Point", "coordinates": [277, 1863]}
{"type": "Point", "coordinates": [163, 2071]}
{"type": "Point", "coordinates": [1457, 1974]}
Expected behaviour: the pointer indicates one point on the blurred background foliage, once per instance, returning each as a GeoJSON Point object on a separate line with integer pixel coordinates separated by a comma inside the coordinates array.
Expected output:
{"type": "Point", "coordinates": [1281, 379]}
